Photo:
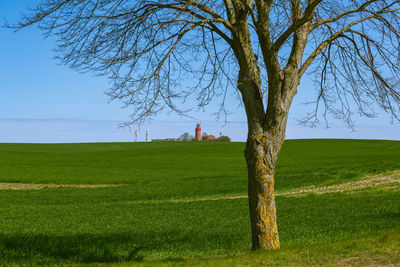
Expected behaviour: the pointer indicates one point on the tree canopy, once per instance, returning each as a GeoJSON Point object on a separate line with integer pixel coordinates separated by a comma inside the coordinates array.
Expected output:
{"type": "Point", "coordinates": [150, 48]}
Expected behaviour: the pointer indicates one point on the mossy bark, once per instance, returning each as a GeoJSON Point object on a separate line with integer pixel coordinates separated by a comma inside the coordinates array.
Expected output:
{"type": "Point", "coordinates": [266, 133]}
{"type": "Point", "coordinates": [261, 154]}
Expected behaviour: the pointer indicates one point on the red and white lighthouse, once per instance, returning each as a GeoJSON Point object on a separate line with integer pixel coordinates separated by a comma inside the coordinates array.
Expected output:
{"type": "Point", "coordinates": [198, 132]}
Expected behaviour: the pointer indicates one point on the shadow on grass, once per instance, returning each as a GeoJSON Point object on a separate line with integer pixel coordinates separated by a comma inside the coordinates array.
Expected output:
{"type": "Point", "coordinates": [85, 248]}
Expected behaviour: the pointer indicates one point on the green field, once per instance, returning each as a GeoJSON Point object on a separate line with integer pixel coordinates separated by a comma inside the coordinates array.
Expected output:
{"type": "Point", "coordinates": [176, 203]}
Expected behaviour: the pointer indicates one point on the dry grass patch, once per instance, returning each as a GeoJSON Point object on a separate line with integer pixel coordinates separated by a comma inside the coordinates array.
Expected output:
{"type": "Point", "coordinates": [390, 181]}
{"type": "Point", "coordinates": [21, 186]}
{"type": "Point", "coordinates": [386, 182]}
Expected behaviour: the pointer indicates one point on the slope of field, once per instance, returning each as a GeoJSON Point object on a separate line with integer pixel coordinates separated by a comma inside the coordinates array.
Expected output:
{"type": "Point", "coordinates": [178, 200]}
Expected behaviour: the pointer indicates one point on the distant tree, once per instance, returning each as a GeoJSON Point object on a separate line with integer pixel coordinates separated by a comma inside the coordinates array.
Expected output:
{"type": "Point", "coordinates": [223, 138]}
{"type": "Point", "coordinates": [185, 137]}
{"type": "Point", "coordinates": [204, 136]}
{"type": "Point", "coordinates": [261, 48]}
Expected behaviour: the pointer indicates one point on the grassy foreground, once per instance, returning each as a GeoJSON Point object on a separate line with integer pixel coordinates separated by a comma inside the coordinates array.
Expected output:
{"type": "Point", "coordinates": [174, 206]}
{"type": "Point", "coordinates": [378, 250]}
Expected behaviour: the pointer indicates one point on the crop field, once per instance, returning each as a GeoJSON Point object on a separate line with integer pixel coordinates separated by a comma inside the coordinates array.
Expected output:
{"type": "Point", "coordinates": [184, 203]}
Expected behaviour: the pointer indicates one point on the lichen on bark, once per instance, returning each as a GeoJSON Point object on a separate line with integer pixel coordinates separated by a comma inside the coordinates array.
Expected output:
{"type": "Point", "coordinates": [261, 161]}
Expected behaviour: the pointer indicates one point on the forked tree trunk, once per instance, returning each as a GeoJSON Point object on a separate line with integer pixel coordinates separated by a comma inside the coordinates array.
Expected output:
{"type": "Point", "coordinates": [261, 154]}
{"type": "Point", "coordinates": [266, 131]}
{"type": "Point", "coordinates": [264, 141]}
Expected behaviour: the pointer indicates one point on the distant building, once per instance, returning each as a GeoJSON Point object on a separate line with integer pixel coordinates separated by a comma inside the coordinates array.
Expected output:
{"type": "Point", "coordinates": [210, 137]}
{"type": "Point", "coordinates": [198, 132]}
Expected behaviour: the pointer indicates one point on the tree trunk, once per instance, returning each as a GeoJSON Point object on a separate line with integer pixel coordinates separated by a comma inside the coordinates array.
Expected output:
{"type": "Point", "coordinates": [266, 131]}
{"type": "Point", "coordinates": [261, 154]}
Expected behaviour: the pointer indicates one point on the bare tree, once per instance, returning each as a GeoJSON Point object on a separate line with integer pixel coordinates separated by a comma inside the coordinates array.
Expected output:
{"type": "Point", "coordinates": [185, 137]}
{"type": "Point", "coordinates": [258, 48]}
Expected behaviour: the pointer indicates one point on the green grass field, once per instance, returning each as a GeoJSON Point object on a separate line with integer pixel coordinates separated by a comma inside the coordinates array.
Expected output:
{"type": "Point", "coordinates": [176, 204]}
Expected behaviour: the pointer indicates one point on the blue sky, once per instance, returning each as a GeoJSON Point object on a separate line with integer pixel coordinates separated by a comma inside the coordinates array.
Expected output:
{"type": "Point", "coordinates": [41, 101]}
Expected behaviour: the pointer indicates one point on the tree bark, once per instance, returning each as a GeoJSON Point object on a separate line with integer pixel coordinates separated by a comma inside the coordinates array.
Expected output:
{"type": "Point", "coordinates": [261, 154]}
{"type": "Point", "coordinates": [265, 138]}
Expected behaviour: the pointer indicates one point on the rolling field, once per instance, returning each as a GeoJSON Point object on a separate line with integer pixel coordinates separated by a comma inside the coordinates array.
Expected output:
{"type": "Point", "coordinates": [183, 203]}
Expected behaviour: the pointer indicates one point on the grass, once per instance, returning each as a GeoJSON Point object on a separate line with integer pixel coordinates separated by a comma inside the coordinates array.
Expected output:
{"type": "Point", "coordinates": [378, 250]}
{"type": "Point", "coordinates": [138, 223]}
